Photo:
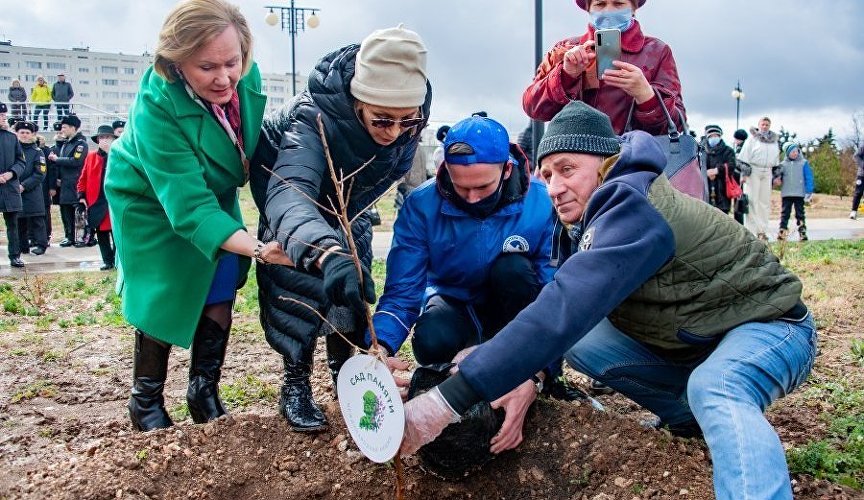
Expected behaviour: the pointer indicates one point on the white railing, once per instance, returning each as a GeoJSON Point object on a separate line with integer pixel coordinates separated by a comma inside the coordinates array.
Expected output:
{"type": "Point", "coordinates": [91, 115]}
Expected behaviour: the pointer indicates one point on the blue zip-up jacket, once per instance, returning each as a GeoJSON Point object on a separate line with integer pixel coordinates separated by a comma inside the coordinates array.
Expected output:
{"type": "Point", "coordinates": [631, 241]}
{"type": "Point", "coordinates": [438, 249]}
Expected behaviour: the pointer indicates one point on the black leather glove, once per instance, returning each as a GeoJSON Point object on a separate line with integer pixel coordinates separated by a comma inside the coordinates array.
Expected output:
{"type": "Point", "coordinates": [342, 285]}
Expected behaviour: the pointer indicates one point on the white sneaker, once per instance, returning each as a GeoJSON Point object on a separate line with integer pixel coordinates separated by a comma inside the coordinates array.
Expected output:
{"type": "Point", "coordinates": [853, 214]}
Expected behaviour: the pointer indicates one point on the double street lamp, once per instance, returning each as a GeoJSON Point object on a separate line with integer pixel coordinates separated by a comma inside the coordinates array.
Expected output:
{"type": "Point", "coordinates": [293, 19]}
{"type": "Point", "coordinates": [737, 94]}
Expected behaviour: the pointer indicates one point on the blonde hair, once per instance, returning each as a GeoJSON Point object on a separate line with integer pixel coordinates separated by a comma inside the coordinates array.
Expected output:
{"type": "Point", "coordinates": [40, 77]}
{"type": "Point", "coordinates": [193, 24]}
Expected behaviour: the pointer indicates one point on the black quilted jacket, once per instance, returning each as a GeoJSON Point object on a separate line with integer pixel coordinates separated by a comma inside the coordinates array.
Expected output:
{"type": "Point", "coordinates": [291, 147]}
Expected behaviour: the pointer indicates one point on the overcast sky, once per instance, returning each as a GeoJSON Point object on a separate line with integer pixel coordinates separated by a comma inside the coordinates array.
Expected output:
{"type": "Point", "coordinates": [799, 61]}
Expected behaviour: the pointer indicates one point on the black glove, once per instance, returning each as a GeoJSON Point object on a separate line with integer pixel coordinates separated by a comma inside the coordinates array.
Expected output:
{"type": "Point", "coordinates": [342, 285]}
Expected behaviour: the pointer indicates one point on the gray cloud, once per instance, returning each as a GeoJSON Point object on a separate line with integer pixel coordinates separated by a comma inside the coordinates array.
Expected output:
{"type": "Point", "coordinates": [793, 57]}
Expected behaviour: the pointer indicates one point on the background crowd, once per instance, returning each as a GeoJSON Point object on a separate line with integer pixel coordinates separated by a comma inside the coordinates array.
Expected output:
{"type": "Point", "coordinates": [36, 174]}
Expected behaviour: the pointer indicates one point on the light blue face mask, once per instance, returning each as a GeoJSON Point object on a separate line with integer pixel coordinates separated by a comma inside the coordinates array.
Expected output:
{"type": "Point", "coordinates": [713, 141]}
{"type": "Point", "coordinates": [614, 19]}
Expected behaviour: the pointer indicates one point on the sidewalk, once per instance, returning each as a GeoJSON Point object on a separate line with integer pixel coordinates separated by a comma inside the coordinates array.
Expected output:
{"type": "Point", "coordinates": [58, 259]}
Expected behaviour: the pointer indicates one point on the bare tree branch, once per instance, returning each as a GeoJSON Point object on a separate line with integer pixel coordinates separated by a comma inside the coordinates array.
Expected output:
{"type": "Point", "coordinates": [295, 188]}
{"type": "Point", "coordinates": [376, 200]}
{"type": "Point", "coordinates": [321, 317]}
{"type": "Point", "coordinates": [310, 245]}
{"type": "Point", "coordinates": [363, 166]}
{"type": "Point", "coordinates": [346, 224]}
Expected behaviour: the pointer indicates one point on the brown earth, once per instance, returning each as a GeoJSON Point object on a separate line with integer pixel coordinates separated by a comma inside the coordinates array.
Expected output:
{"type": "Point", "coordinates": [64, 380]}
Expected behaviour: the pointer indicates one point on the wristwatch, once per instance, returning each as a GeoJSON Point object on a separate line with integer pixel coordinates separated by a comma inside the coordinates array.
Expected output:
{"type": "Point", "coordinates": [537, 383]}
{"type": "Point", "coordinates": [256, 253]}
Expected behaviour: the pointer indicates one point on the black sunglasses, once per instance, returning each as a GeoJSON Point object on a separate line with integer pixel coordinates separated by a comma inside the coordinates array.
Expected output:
{"type": "Point", "coordinates": [403, 123]}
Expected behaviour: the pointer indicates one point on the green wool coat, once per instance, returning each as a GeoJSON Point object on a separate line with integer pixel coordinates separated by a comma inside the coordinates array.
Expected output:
{"type": "Point", "coordinates": [171, 187]}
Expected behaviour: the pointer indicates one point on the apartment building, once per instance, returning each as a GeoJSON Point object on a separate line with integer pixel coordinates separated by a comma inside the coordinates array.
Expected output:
{"type": "Point", "coordinates": [105, 83]}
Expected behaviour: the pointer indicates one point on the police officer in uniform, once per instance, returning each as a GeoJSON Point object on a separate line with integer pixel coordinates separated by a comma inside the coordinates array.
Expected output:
{"type": "Point", "coordinates": [31, 220]}
{"type": "Point", "coordinates": [118, 126]}
{"type": "Point", "coordinates": [69, 161]}
{"type": "Point", "coordinates": [11, 166]}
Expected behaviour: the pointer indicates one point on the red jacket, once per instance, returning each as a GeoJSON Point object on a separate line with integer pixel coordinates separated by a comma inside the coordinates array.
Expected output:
{"type": "Point", "coordinates": [92, 183]}
{"type": "Point", "coordinates": [552, 88]}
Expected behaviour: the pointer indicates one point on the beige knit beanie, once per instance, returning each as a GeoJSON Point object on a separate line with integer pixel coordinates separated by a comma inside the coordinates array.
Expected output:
{"type": "Point", "coordinates": [391, 69]}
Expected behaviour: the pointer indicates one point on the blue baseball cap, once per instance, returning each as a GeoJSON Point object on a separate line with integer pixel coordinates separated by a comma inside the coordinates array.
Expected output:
{"type": "Point", "coordinates": [487, 138]}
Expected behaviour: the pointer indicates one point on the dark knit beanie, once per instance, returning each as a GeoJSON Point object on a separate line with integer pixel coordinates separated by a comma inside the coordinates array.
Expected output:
{"type": "Point", "coordinates": [740, 134]}
{"type": "Point", "coordinates": [579, 128]}
{"type": "Point", "coordinates": [442, 132]}
{"type": "Point", "coordinates": [713, 129]}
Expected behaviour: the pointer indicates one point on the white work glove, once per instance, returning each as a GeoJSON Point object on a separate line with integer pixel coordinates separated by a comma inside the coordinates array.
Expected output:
{"type": "Point", "coordinates": [426, 416]}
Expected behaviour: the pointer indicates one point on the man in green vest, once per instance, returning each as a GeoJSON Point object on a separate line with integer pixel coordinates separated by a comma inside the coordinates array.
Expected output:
{"type": "Point", "coordinates": [661, 297]}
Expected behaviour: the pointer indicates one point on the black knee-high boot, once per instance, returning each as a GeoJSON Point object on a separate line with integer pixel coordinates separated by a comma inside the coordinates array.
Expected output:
{"type": "Point", "coordinates": [205, 370]}
{"type": "Point", "coordinates": [147, 405]}
{"type": "Point", "coordinates": [296, 403]}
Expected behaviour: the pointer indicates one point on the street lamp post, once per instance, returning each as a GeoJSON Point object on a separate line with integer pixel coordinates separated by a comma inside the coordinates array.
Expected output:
{"type": "Point", "coordinates": [737, 94]}
{"type": "Point", "coordinates": [537, 125]}
{"type": "Point", "coordinates": [293, 19]}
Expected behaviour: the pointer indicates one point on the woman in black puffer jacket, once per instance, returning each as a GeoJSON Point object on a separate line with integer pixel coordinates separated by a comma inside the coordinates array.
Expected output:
{"type": "Point", "coordinates": [373, 100]}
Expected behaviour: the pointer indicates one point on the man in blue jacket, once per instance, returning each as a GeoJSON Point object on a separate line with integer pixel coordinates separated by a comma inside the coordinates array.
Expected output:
{"type": "Point", "coordinates": [665, 299]}
{"type": "Point", "coordinates": [470, 250]}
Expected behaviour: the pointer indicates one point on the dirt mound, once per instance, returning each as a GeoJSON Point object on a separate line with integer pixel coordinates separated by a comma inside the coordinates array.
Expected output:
{"type": "Point", "coordinates": [571, 451]}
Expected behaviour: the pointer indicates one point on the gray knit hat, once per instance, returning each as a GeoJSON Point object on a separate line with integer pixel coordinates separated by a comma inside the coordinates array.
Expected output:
{"type": "Point", "coordinates": [579, 128]}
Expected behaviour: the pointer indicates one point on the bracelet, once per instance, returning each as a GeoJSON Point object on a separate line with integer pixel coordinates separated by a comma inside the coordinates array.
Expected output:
{"type": "Point", "coordinates": [257, 254]}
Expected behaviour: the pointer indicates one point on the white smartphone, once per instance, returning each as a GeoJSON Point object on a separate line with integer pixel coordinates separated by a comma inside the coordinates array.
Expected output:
{"type": "Point", "coordinates": [607, 44]}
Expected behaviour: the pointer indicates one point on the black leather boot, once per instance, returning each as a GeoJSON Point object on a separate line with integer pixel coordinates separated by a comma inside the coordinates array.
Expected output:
{"type": "Point", "coordinates": [147, 405]}
{"type": "Point", "coordinates": [205, 370]}
{"type": "Point", "coordinates": [338, 352]}
{"type": "Point", "coordinates": [296, 403]}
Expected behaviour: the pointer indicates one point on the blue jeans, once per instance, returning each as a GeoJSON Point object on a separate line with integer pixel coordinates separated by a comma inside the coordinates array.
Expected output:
{"type": "Point", "coordinates": [726, 392]}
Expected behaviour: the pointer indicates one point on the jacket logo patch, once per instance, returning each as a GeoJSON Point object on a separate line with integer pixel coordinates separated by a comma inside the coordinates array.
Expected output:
{"type": "Point", "coordinates": [587, 239]}
{"type": "Point", "coordinates": [515, 244]}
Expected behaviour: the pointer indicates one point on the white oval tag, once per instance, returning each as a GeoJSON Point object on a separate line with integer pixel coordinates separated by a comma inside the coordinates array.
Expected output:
{"type": "Point", "coordinates": [371, 407]}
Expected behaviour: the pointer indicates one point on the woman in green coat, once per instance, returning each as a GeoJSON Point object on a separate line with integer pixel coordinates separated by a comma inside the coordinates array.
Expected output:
{"type": "Point", "coordinates": [182, 247]}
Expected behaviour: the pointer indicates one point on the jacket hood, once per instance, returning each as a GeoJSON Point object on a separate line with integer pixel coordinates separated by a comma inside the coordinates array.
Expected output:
{"type": "Point", "coordinates": [769, 136]}
{"type": "Point", "coordinates": [639, 153]}
{"type": "Point", "coordinates": [329, 82]}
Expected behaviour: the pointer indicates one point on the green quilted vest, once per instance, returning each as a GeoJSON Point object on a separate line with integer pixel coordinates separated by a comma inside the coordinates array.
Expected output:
{"type": "Point", "coordinates": [720, 277]}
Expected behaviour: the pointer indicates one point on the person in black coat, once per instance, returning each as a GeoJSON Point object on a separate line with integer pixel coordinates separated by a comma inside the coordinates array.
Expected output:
{"type": "Point", "coordinates": [49, 187]}
{"type": "Point", "coordinates": [11, 167]}
{"type": "Point", "coordinates": [373, 100]}
{"type": "Point", "coordinates": [31, 220]}
{"type": "Point", "coordinates": [720, 161]}
{"type": "Point", "coordinates": [69, 160]}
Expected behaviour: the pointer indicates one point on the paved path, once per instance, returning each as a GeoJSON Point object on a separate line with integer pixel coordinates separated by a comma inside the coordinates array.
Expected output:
{"type": "Point", "coordinates": [58, 259]}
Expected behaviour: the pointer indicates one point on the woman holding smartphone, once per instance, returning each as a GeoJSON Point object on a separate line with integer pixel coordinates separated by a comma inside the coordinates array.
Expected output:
{"type": "Point", "coordinates": [569, 73]}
